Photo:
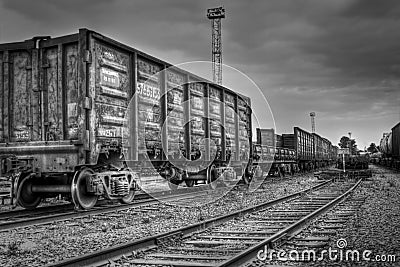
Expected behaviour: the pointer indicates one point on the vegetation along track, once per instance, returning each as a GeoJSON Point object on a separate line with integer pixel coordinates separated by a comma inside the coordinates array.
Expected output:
{"type": "Point", "coordinates": [228, 240]}
{"type": "Point", "coordinates": [21, 218]}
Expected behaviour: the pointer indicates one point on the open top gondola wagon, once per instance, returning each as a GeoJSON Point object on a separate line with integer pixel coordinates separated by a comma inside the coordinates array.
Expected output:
{"type": "Point", "coordinates": [63, 120]}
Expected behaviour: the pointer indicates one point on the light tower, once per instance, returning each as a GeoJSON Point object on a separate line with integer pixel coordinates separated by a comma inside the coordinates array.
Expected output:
{"type": "Point", "coordinates": [312, 115]}
{"type": "Point", "coordinates": [350, 147]}
{"type": "Point", "coordinates": [215, 15]}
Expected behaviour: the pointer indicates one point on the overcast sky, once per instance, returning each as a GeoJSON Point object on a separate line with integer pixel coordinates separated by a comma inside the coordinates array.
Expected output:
{"type": "Point", "coordinates": [338, 58]}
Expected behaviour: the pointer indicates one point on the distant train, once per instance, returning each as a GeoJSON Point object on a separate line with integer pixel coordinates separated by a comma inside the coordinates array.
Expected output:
{"type": "Point", "coordinates": [389, 147]}
{"type": "Point", "coordinates": [62, 124]}
{"type": "Point", "coordinates": [292, 152]}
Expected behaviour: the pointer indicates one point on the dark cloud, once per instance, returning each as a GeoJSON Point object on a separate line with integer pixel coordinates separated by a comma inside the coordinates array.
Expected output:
{"type": "Point", "coordinates": [373, 9]}
{"type": "Point", "coordinates": [340, 58]}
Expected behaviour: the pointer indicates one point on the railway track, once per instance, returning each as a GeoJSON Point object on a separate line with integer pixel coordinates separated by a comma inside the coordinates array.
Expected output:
{"type": "Point", "coordinates": [229, 240]}
{"type": "Point", "coordinates": [22, 218]}
{"type": "Point", "coordinates": [18, 218]}
{"type": "Point", "coordinates": [310, 241]}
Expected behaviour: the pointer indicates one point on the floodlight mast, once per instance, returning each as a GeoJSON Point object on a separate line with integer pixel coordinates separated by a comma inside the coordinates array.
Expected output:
{"type": "Point", "coordinates": [215, 15]}
{"type": "Point", "coordinates": [312, 115]}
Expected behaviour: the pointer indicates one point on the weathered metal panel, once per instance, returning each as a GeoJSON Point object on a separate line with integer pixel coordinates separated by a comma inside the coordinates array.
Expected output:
{"type": "Point", "coordinates": [131, 134]}
{"type": "Point", "coordinates": [278, 140]}
{"type": "Point", "coordinates": [53, 96]}
{"type": "Point", "coordinates": [82, 84]}
{"type": "Point", "coordinates": [244, 128]}
{"type": "Point", "coordinates": [265, 137]}
{"type": "Point", "coordinates": [317, 147]}
{"type": "Point", "coordinates": [289, 141]}
{"type": "Point", "coordinates": [175, 114]}
{"type": "Point", "coordinates": [35, 97]}
{"type": "Point", "coordinates": [197, 117]}
{"type": "Point", "coordinates": [71, 87]}
{"type": "Point", "coordinates": [148, 93]}
{"type": "Point", "coordinates": [215, 100]}
{"type": "Point", "coordinates": [6, 94]}
{"type": "Point", "coordinates": [112, 93]}
{"type": "Point", "coordinates": [49, 156]}
{"type": "Point", "coordinates": [20, 99]}
{"type": "Point", "coordinates": [230, 125]}
{"type": "Point", "coordinates": [304, 144]}
{"type": "Point", "coordinates": [83, 92]}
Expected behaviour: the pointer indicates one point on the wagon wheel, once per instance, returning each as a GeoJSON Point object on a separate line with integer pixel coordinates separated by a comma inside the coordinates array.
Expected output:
{"type": "Point", "coordinates": [173, 183]}
{"type": "Point", "coordinates": [246, 177]}
{"type": "Point", "coordinates": [189, 182]}
{"type": "Point", "coordinates": [211, 179]}
{"type": "Point", "coordinates": [25, 197]}
{"type": "Point", "coordinates": [128, 199]}
{"type": "Point", "coordinates": [80, 197]}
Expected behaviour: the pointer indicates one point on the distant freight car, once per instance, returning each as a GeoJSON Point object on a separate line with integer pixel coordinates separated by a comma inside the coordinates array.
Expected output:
{"type": "Point", "coordinates": [390, 148]}
{"type": "Point", "coordinates": [62, 121]}
{"type": "Point", "coordinates": [299, 150]}
{"type": "Point", "coordinates": [303, 143]}
{"type": "Point", "coordinates": [266, 137]}
{"type": "Point", "coordinates": [321, 152]}
{"type": "Point", "coordinates": [270, 157]}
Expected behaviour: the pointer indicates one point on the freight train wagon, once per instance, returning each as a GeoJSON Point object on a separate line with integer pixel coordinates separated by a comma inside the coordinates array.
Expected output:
{"type": "Point", "coordinates": [269, 155]}
{"type": "Point", "coordinates": [390, 148]}
{"type": "Point", "coordinates": [289, 153]}
{"type": "Point", "coordinates": [321, 150]}
{"type": "Point", "coordinates": [62, 121]}
{"type": "Point", "coordinates": [302, 142]}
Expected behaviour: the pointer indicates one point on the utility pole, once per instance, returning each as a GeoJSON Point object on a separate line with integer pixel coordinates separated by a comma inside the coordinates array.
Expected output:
{"type": "Point", "coordinates": [215, 15]}
{"type": "Point", "coordinates": [312, 115]}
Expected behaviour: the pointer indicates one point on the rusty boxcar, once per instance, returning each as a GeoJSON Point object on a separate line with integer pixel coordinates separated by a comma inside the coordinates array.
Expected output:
{"type": "Point", "coordinates": [64, 127]}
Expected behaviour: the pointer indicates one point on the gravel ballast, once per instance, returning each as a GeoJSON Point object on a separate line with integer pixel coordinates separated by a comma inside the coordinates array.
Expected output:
{"type": "Point", "coordinates": [44, 244]}
{"type": "Point", "coordinates": [373, 229]}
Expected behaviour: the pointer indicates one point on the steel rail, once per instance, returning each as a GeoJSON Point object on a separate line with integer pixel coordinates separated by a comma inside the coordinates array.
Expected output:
{"type": "Point", "coordinates": [251, 253]}
{"type": "Point", "coordinates": [188, 193]}
{"type": "Point", "coordinates": [4, 215]}
{"type": "Point", "coordinates": [102, 256]}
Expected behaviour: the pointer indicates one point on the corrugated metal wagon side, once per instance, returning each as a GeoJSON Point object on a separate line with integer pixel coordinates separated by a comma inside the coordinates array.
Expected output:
{"type": "Point", "coordinates": [42, 126]}
{"type": "Point", "coordinates": [304, 145]}
{"type": "Point", "coordinates": [82, 115]}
